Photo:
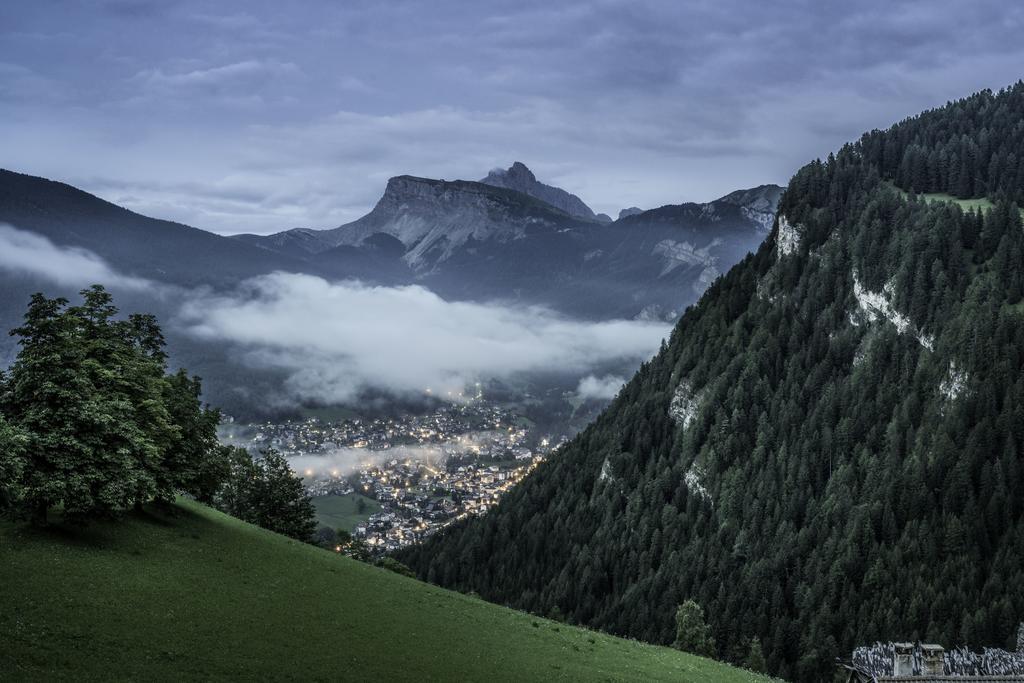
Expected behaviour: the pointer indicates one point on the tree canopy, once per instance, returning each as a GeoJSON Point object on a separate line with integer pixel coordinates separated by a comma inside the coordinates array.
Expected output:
{"type": "Point", "coordinates": [92, 424]}
{"type": "Point", "coordinates": [264, 491]}
{"type": "Point", "coordinates": [692, 632]}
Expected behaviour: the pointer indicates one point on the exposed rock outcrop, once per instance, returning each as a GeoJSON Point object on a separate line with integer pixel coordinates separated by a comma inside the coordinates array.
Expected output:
{"type": "Point", "coordinates": [521, 179]}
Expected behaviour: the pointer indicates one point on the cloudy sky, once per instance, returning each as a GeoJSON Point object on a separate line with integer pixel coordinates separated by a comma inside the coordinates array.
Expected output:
{"type": "Point", "coordinates": [259, 116]}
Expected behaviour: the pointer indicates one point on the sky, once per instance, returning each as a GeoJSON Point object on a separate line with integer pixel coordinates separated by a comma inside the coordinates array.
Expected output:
{"type": "Point", "coordinates": [263, 116]}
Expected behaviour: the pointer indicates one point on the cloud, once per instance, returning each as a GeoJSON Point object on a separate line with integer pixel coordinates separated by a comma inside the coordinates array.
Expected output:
{"type": "Point", "coordinates": [344, 461]}
{"type": "Point", "coordinates": [28, 253]}
{"type": "Point", "coordinates": [19, 83]}
{"type": "Point", "coordinates": [240, 74]}
{"type": "Point", "coordinates": [336, 340]}
{"type": "Point", "coordinates": [600, 388]}
{"type": "Point", "coordinates": [341, 462]}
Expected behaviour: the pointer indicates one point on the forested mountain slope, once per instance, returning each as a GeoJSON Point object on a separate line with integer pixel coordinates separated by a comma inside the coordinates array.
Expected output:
{"type": "Point", "coordinates": [828, 449]}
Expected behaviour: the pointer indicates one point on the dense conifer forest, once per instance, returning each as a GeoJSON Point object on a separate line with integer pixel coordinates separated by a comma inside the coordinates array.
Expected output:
{"type": "Point", "coordinates": [827, 451]}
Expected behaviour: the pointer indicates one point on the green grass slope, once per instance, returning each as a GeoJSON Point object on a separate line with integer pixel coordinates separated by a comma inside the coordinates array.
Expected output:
{"type": "Point", "coordinates": [342, 512]}
{"type": "Point", "coordinates": [975, 204]}
{"type": "Point", "coordinates": [203, 596]}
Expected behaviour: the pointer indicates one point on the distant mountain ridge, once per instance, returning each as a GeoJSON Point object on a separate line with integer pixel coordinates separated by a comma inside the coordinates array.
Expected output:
{"type": "Point", "coordinates": [421, 212]}
{"type": "Point", "coordinates": [463, 240]}
{"type": "Point", "coordinates": [411, 194]}
{"type": "Point", "coordinates": [135, 244]}
{"type": "Point", "coordinates": [482, 241]}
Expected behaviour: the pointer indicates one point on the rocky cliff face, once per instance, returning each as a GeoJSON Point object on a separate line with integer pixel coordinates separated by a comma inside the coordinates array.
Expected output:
{"type": "Point", "coordinates": [758, 203]}
{"type": "Point", "coordinates": [427, 214]}
{"type": "Point", "coordinates": [481, 241]}
{"type": "Point", "coordinates": [521, 179]}
{"type": "Point", "coordinates": [435, 218]}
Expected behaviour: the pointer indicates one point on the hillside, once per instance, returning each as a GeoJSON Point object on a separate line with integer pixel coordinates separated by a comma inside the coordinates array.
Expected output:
{"type": "Point", "coordinates": [132, 243]}
{"type": "Point", "coordinates": [156, 251]}
{"type": "Point", "coordinates": [203, 596]}
{"type": "Point", "coordinates": [827, 452]}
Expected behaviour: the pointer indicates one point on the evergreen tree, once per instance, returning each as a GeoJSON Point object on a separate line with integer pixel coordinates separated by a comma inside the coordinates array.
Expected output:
{"type": "Point", "coordinates": [755, 657]}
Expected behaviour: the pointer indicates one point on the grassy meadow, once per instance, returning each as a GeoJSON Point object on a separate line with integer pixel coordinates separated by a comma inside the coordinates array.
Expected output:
{"type": "Point", "coordinates": [342, 512]}
{"type": "Point", "coordinates": [196, 594]}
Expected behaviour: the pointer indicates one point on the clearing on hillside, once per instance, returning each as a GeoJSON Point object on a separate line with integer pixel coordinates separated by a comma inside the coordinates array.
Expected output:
{"type": "Point", "coordinates": [342, 512]}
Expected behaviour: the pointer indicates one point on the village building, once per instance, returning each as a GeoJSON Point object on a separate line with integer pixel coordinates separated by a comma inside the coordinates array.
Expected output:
{"type": "Point", "coordinates": [929, 663]}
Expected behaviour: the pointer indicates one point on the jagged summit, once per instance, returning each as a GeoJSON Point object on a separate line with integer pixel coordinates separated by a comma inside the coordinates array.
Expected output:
{"type": "Point", "coordinates": [760, 198]}
{"type": "Point", "coordinates": [521, 179]}
{"type": "Point", "coordinates": [631, 211]}
{"type": "Point", "coordinates": [518, 172]}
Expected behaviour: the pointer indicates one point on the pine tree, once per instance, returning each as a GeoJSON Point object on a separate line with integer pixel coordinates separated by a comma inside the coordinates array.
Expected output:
{"type": "Point", "coordinates": [755, 657]}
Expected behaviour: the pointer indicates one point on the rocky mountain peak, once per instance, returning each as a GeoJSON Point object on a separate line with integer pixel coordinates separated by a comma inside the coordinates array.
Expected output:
{"type": "Point", "coordinates": [521, 179]}
{"type": "Point", "coordinates": [518, 171]}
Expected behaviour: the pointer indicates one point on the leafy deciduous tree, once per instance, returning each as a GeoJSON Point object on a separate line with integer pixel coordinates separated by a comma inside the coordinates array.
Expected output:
{"type": "Point", "coordinates": [693, 633]}
{"type": "Point", "coordinates": [264, 491]}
